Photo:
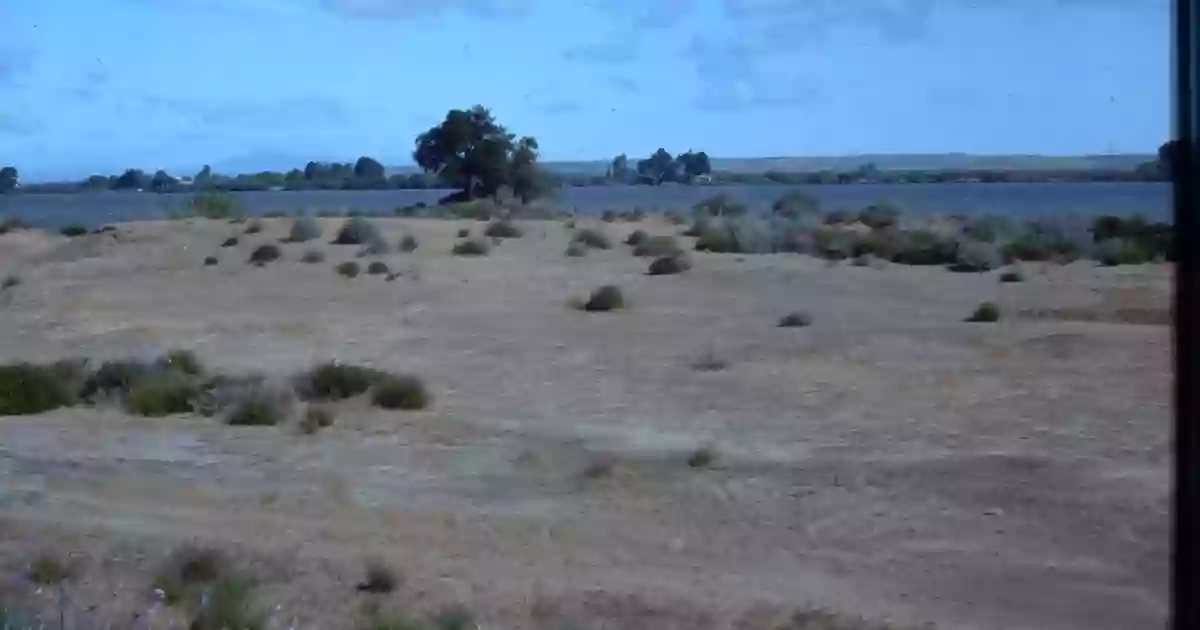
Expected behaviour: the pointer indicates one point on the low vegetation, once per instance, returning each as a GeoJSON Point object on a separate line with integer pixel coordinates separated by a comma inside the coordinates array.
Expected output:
{"type": "Point", "coordinates": [503, 228]}
{"type": "Point", "coordinates": [258, 411]}
{"type": "Point", "coordinates": [986, 312]}
{"type": "Point", "coordinates": [304, 229]}
{"type": "Point", "coordinates": [349, 269]}
{"type": "Point", "coordinates": [635, 237]}
{"type": "Point", "coordinates": [798, 319]}
{"type": "Point", "coordinates": [316, 418]}
{"type": "Point", "coordinates": [30, 389]}
{"type": "Point", "coordinates": [670, 265]}
{"type": "Point", "coordinates": [357, 231]}
{"type": "Point", "coordinates": [214, 206]}
{"type": "Point", "coordinates": [163, 393]}
{"type": "Point", "coordinates": [253, 226]}
{"type": "Point", "coordinates": [210, 261]}
{"type": "Point", "coordinates": [464, 233]}
{"type": "Point", "coordinates": [73, 230]}
{"type": "Point", "coordinates": [472, 247]}
{"type": "Point", "coordinates": [577, 250]}
{"type": "Point", "coordinates": [605, 298]}
{"type": "Point", "coordinates": [379, 578]}
{"type": "Point", "coordinates": [702, 457]}
{"type": "Point", "coordinates": [313, 256]}
{"type": "Point", "coordinates": [336, 381]}
{"type": "Point", "coordinates": [265, 253]}
{"type": "Point", "coordinates": [1011, 277]}
{"type": "Point", "coordinates": [48, 569]}
{"type": "Point", "coordinates": [377, 268]}
{"type": "Point", "coordinates": [230, 242]}
{"type": "Point", "coordinates": [10, 281]}
{"type": "Point", "coordinates": [657, 247]}
{"type": "Point", "coordinates": [408, 243]}
{"type": "Point", "coordinates": [401, 391]}
{"type": "Point", "coordinates": [594, 238]}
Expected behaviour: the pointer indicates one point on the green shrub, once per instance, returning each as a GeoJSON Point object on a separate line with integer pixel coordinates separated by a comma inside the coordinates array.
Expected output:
{"type": "Point", "coordinates": [1040, 247]}
{"type": "Point", "coordinates": [336, 381]}
{"type": "Point", "coordinates": [472, 247]}
{"type": "Point", "coordinates": [48, 570]}
{"type": "Point", "coordinates": [719, 240]}
{"type": "Point", "coordinates": [577, 250]}
{"type": "Point", "coordinates": [503, 229]}
{"type": "Point", "coordinates": [668, 265]}
{"type": "Point", "coordinates": [377, 268]}
{"type": "Point", "coordinates": [265, 253]}
{"type": "Point", "coordinates": [163, 394]}
{"type": "Point", "coordinates": [315, 418]}
{"type": "Point", "coordinates": [12, 224]}
{"type": "Point", "coordinates": [30, 389]}
{"type": "Point", "coordinates": [210, 261]}
{"type": "Point", "coordinates": [635, 237]}
{"type": "Point", "coordinates": [347, 269]}
{"type": "Point", "coordinates": [254, 226]}
{"type": "Point", "coordinates": [606, 298]}
{"type": "Point", "coordinates": [657, 246]}
{"type": "Point", "coordinates": [1012, 276]}
{"type": "Point", "coordinates": [702, 457]}
{"type": "Point", "coordinates": [593, 238]}
{"type": "Point", "coordinates": [921, 247]}
{"type": "Point", "coordinates": [721, 205]}
{"type": "Point", "coordinates": [357, 231]}
{"type": "Point", "coordinates": [214, 206]}
{"type": "Point", "coordinates": [230, 242]}
{"type": "Point", "coordinates": [464, 233]}
{"type": "Point", "coordinates": [401, 392]}
{"type": "Point", "coordinates": [379, 579]}
{"type": "Point", "coordinates": [10, 281]}
{"type": "Point", "coordinates": [73, 230]}
{"type": "Point", "coordinates": [304, 229]}
{"type": "Point", "coordinates": [114, 377]}
{"type": "Point", "coordinates": [795, 204]}
{"type": "Point", "coordinates": [313, 256]}
{"type": "Point", "coordinates": [376, 246]}
{"type": "Point", "coordinates": [698, 227]}
{"type": "Point", "coordinates": [408, 244]}
{"type": "Point", "coordinates": [258, 411]}
{"type": "Point", "coordinates": [975, 257]}
{"type": "Point", "coordinates": [229, 604]}
{"type": "Point", "coordinates": [182, 361]}
{"type": "Point", "coordinates": [798, 319]}
{"type": "Point", "coordinates": [880, 215]}
{"type": "Point", "coordinates": [1118, 251]}
{"type": "Point", "coordinates": [986, 312]}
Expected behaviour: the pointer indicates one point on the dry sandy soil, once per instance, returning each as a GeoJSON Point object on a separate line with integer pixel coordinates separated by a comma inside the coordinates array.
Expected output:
{"type": "Point", "coordinates": [890, 461]}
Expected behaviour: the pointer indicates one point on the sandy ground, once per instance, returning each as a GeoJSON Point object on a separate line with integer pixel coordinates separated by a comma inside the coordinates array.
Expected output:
{"type": "Point", "coordinates": [889, 461]}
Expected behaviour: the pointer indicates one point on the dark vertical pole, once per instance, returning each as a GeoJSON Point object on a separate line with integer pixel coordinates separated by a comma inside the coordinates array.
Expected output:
{"type": "Point", "coordinates": [1184, 599]}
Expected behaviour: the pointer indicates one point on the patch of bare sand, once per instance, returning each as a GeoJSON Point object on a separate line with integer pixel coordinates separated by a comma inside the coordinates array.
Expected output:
{"type": "Point", "coordinates": [889, 461]}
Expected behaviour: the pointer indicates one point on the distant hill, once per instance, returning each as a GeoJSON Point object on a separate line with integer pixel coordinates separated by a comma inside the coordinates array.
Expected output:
{"type": "Point", "coordinates": [886, 162]}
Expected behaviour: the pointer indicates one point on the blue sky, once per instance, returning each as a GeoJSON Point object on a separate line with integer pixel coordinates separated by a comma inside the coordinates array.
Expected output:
{"type": "Point", "coordinates": [99, 85]}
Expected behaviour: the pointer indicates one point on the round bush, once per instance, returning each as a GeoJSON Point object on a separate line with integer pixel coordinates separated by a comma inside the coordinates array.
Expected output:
{"type": "Point", "coordinates": [1011, 276]}
{"type": "Point", "coordinates": [408, 243]}
{"type": "Point", "coordinates": [401, 392]}
{"type": "Point", "coordinates": [254, 227]}
{"type": "Point", "coordinates": [464, 233]}
{"type": "Point", "coordinates": [30, 389]}
{"type": "Point", "coordinates": [377, 268]}
{"type": "Point", "coordinates": [163, 394]}
{"type": "Point", "coordinates": [257, 412]}
{"type": "Point", "coordinates": [718, 240]}
{"type": "Point", "coordinates": [606, 298]}
{"type": "Point", "coordinates": [335, 381]}
{"type": "Point", "coordinates": [230, 242]}
{"type": "Point", "coordinates": [593, 238]}
{"type": "Point", "coordinates": [657, 246]}
{"type": "Point", "coordinates": [975, 257]}
{"type": "Point", "coordinates": [799, 319]}
{"type": "Point", "coordinates": [357, 231]}
{"type": "Point", "coordinates": [669, 265]}
{"type": "Point", "coordinates": [637, 236]}
{"type": "Point", "coordinates": [347, 269]}
{"type": "Point", "coordinates": [577, 250]}
{"type": "Point", "coordinates": [503, 229]}
{"type": "Point", "coordinates": [210, 261]}
{"type": "Point", "coordinates": [73, 230]}
{"type": "Point", "coordinates": [304, 229]}
{"type": "Point", "coordinates": [265, 254]}
{"type": "Point", "coordinates": [472, 247]}
{"type": "Point", "coordinates": [315, 418]}
{"type": "Point", "coordinates": [986, 312]}
{"type": "Point", "coordinates": [312, 256]}
{"type": "Point", "coordinates": [376, 246]}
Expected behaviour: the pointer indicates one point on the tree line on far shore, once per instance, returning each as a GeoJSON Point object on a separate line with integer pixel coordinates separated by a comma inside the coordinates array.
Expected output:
{"type": "Point", "coordinates": [472, 153]}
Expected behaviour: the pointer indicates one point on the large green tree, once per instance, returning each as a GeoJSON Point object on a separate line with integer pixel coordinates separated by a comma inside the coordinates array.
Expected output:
{"type": "Point", "coordinates": [368, 168]}
{"type": "Point", "coordinates": [694, 164]}
{"type": "Point", "coordinates": [658, 168]}
{"type": "Point", "coordinates": [9, 178]}
{"type": "Point", "coordinates": [131, 179]}
{"type": "Point", "coordinates": [470, 151]}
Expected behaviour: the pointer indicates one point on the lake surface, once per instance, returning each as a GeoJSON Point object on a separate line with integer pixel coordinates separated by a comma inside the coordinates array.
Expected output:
{"type": "Point", "coordinates": [1152, 200]}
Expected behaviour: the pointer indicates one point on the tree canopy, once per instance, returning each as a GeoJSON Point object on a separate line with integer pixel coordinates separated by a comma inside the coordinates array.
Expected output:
{"type": "Point", "coordinates": [470, 151]}
{"type": "Point", "coordinates": [9, 178]}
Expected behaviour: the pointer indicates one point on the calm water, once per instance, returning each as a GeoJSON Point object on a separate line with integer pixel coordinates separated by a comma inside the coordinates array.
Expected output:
{"type": "Point", "coordinates": [1151, 200]}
